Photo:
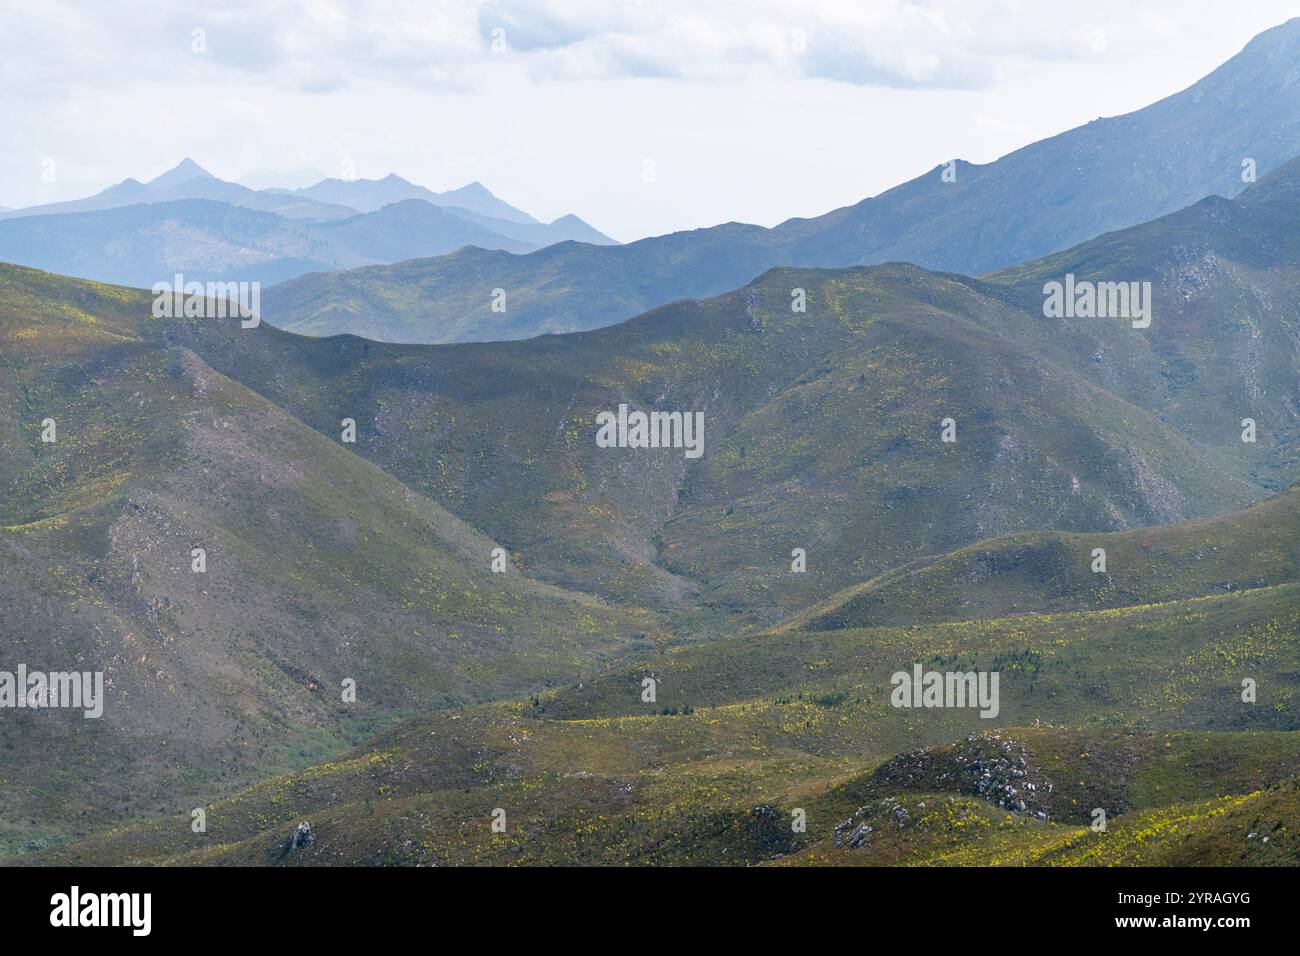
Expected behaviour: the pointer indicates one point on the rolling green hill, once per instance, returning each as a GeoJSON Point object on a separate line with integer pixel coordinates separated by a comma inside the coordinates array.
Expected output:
{"type": "Point", "coordinates": [1135, 710]}
{"type": "Point", "coordinates": [1026, 573]}
{"type": "Point", "coordinates": [822, 432]}
{"type": "Point", "coordinates": [824, 427]}
{"type": "Point", "coordinates": [329, 561]}
{"type": "Point", "coordinates": [319, 568]}
{"type": "Point", "coordinates": [1159, 739]}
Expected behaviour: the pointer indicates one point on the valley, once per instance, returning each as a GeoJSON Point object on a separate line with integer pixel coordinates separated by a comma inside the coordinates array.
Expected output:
{"type": "Point", "coordinates": [955, 527]}
{"type": "Point", "coordinates": [521, 688]}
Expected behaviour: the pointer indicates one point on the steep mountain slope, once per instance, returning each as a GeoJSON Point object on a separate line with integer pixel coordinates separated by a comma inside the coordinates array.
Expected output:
{"type": "Point", "coordinates": [186, 171]}
{"type": "Point", "coordinates": [319, 568]}
{"type": "Point", "coordinates": [824, 426]}
{"type": "Point", "coordinates": [1222, 346]}
{"type": "Point", "coordinates": [1111, 173]}
{"type": "Point", "coordinates": [1106, 175]}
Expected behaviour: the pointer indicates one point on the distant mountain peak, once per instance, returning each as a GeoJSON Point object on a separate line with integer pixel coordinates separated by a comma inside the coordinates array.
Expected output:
{"type": "Point", "coordinates": [474, 190]}
{"type": "Point", "coordinates": [182, 172]}
{"type": "Point", "coordinates": [370, 195]}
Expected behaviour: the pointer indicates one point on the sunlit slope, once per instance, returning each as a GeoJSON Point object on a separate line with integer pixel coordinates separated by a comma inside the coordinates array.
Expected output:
{"type": "Point", "coordinates": [1131, 710]}
{"type": "Point", "coordinates": [1024, 573]}
{"type": "Point", "coordinates": [1180, 663]}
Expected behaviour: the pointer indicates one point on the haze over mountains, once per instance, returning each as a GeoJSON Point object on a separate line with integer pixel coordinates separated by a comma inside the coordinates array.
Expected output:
{"type": "Point", "coordinates": [367, 195]}
{"type": "Point", "coordinates": [822, 434]}
{"type": "Point", "coordinates": [1045, 197]}
{"type": "Point", "coordinates": [427, 271]}
{"type": "Point", "coordinates": [901, 466]}
{"type": "Point", "coordinates": [188, 180]}
{"type": "Point", "coordinates": [188, 221]}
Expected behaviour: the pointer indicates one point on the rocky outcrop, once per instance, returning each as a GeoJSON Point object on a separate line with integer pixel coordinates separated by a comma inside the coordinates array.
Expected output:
{"type": "Point", "coordinates": [993, 767]}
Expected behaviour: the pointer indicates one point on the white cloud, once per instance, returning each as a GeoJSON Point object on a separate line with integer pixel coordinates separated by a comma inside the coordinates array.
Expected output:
{"type": "Point", "coordinates": [318, 46]}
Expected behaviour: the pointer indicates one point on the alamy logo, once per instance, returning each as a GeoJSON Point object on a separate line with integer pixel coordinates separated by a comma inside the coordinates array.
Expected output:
{"type": "Point", "coordinates": [923, 688]}
{"type": "Point", "coordinates": [1083, 299]}
{"type": "Point", "coordinates": [37, 690]}
{"type": "Point", "coordinates": [651, 430]}
{"type": "Point", "coordinates": [215, 300]}
{"type": "Point", "coordinates": [103, 909]}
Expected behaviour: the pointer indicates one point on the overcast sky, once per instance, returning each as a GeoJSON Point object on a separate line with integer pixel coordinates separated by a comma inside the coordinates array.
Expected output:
{"type": "Point", "coordinates": [641, 117]}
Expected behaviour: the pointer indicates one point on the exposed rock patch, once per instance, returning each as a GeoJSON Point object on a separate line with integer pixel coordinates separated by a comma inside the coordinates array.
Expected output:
{"type": "Point", "coordinates": [989, 766]}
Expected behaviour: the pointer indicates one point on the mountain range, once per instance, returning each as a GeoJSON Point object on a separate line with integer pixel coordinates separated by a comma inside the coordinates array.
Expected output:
{"type": "Point", "coordinates": [823, 434]}
{"type": "Point", "coordinates": [824, 424]}
{"type": "Point", "coordinates": [359, 600]}
{"type": "Point", "coordinates": [367, 195]}
{"type": "Point", "coordinates": [1210, 139]}
{"type": "Point", "coordinates": [188, 221]}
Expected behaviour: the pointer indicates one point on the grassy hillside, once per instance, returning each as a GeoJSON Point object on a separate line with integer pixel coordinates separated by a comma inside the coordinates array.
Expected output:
{"type": "Point", "coordinates": [1135, 710]}
{"type": "Point", "coordinates": [319, 568]}
{"type": "Point", "coordinates": [1179, 663]}
{"type": "Point", "coordinates": [1018, 574]}
{"type": "Point", "coordinates": [823, 432]}
{"type": "Point", "coordinates": [370, 561]}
